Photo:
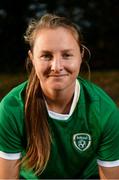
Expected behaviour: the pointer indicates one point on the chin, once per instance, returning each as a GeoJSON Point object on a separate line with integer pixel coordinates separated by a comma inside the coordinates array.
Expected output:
{"type": "Point", "coordinates": [57, 87]}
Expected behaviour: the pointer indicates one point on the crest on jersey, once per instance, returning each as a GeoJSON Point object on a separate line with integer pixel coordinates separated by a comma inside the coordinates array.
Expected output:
{"type": "Point", "coordinates": [82, 141]}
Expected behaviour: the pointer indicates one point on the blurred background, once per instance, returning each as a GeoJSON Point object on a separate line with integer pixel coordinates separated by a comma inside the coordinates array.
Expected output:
{"type": "Point", "coordinates": [99, 23]}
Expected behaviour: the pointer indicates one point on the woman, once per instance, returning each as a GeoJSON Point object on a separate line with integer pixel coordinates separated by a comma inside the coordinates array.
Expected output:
{"type": "Point", "coordinates": [58, 125]}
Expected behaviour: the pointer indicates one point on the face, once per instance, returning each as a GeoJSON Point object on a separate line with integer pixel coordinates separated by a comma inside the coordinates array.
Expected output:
{"type": "Point", "coordinates": [56, 58]}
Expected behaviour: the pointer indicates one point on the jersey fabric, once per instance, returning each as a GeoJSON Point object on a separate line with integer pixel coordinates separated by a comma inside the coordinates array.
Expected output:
{"type": "Point", "coordinates": [90, 136]}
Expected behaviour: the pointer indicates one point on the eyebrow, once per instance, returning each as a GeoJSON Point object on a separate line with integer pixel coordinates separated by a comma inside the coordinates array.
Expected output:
{"type": "Point", "coordinates": [67, 50]}
{"type": "Point", "coordinates": [64, 50]}
{"type": "Point", "coordinates": [45, 51]}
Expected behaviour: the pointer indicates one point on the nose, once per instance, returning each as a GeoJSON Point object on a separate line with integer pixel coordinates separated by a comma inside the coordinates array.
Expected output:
{"type": "Point", "coordinates": [56, 65]}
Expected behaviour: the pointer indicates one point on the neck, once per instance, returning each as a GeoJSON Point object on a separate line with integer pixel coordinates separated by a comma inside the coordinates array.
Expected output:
{"type": "Point", "coordinates": [61, 106]}
{"type": "Point", "coordinates": [60, 102]}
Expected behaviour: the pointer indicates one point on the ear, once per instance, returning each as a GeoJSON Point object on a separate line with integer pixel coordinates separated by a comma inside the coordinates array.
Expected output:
{"type": "Point", "coordinates": [30, 55]}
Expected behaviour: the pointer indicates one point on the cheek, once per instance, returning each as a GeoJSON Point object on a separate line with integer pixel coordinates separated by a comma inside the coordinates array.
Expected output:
{"type": "Point", "coordinates": [41, 70]}
{"type": "Point", "coordinates": [75, 66]}
{"type": "Point", "coordinates": [38, 69]}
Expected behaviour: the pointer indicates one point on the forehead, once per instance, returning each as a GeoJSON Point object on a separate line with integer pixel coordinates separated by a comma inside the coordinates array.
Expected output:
{"type": "Point", "coordinates": [55, 36]}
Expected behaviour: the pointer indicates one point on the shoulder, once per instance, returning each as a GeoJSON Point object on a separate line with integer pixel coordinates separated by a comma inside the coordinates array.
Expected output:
{"type": "Point", "coordinates": [12, 120]}
{"type": "Point", "coordinates": [97, 104]}
{"type": "Point", "coordinates": [94, 93]}
{"type": "Point", "coordinates": [12, 105]}
{"type": "Point", "coordinates": [16, 95]}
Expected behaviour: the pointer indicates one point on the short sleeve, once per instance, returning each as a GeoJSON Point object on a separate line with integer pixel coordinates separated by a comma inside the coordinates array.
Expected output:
{"type": "Point", "coordinates": [11, 130]}
{"type": "Point", "coordinates": [109, 144]}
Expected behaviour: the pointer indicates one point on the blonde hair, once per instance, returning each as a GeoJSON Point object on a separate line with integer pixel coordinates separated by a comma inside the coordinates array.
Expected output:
{"type": "Point", "coordinates": [51, 21]}
{"type": "Point", "coordinates": [37, 128]}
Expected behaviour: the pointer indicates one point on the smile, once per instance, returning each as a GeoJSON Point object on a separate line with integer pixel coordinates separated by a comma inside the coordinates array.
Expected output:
{"type": "Point", "coordinates": [54, 75]}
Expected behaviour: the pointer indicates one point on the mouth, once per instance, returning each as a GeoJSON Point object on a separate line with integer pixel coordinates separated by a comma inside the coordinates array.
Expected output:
{"type": "Point", "coordinates": [57, 76]}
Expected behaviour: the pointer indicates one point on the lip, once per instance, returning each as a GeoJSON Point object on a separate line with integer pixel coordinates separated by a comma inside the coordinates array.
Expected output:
{"type": "Point", "coordinates": [55, 75]}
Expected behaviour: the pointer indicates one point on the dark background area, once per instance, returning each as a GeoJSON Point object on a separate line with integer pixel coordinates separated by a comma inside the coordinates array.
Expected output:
{"type": "Point", "coordinates": [98, 20]}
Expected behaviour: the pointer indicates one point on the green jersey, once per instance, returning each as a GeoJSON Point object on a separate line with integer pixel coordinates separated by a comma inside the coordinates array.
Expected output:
{"type": "Point", "coordinates": [88, 137]}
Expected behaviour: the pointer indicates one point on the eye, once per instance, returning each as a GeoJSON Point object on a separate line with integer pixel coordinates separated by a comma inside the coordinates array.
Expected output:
{"type": "Point", "coordinates": [46, 56]}
{"type": "Point", "coordinates": [67, 55]}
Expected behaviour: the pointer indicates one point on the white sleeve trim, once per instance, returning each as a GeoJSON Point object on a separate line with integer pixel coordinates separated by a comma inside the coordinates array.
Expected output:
{"type": "Point", "coordinates": [108, 163]}
{"type": "Point", "coordinates": [10, 156]}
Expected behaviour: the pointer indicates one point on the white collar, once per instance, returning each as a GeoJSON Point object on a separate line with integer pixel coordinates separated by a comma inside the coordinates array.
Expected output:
{"type": "Point", "coordinates": [59, 116]}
